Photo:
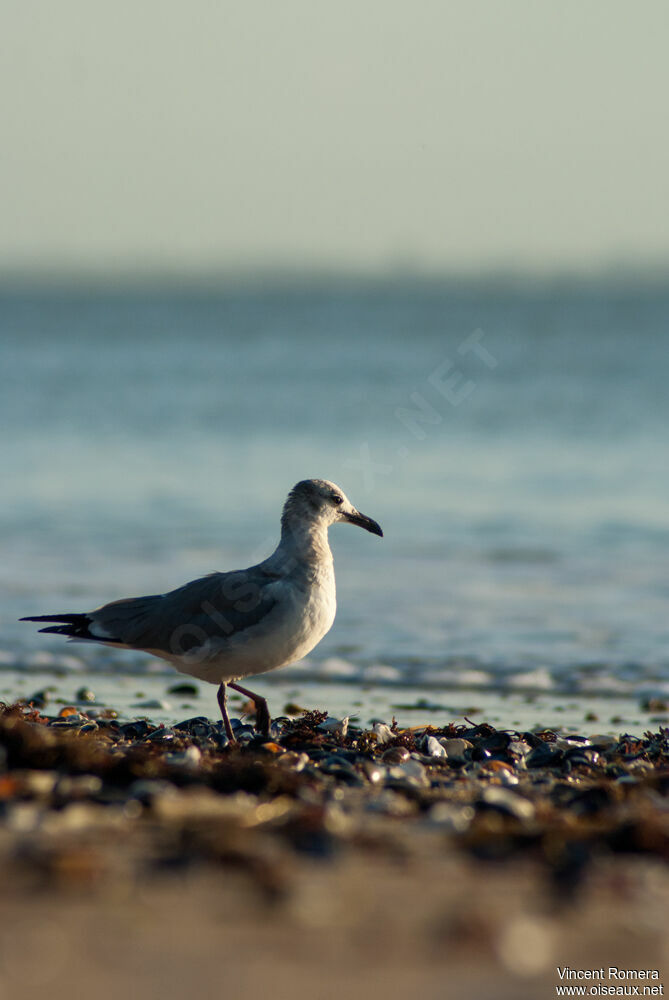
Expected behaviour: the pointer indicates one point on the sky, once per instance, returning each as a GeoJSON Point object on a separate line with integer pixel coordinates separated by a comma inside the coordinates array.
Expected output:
{"type": "Point", "coordinates": [169, 138]}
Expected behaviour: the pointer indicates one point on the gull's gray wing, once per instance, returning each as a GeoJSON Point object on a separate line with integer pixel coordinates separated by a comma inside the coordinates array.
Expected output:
{"type": "Point", "coordinates": [217, 606]}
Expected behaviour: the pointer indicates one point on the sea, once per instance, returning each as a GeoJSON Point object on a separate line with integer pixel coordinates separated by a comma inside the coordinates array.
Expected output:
{"type": "Point", "coordinates": [510, 436]}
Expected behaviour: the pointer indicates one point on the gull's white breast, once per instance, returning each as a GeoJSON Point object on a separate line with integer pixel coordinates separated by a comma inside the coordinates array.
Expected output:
{"type": "Point", "coordinates": [304, 612]}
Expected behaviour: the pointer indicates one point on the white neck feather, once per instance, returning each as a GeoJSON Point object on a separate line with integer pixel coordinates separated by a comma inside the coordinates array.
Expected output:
{"type": "Point", "coordinates": [305, 538]}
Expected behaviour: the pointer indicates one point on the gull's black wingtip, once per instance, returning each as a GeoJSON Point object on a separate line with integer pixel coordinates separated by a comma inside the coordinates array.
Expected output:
{"type": "Point", "coordinates": [69, 619]}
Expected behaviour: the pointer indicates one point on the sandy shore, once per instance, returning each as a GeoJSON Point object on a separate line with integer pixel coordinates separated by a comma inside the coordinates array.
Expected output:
{"type": "Point", "coordinates": [321, 862]}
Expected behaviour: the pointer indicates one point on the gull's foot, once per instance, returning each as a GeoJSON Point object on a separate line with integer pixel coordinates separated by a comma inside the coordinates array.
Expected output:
{"type": "Point", "coordinates": [263, 720]}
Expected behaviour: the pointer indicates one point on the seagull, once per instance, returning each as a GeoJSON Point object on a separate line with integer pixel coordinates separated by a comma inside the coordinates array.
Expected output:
{"type": "Point", "coordinates": [227, 626]}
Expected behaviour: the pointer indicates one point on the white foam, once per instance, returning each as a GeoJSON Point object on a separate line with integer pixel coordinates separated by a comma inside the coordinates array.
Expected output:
{"type": "Point", "coordinates": [540, 678]}
{"type": "Point", "coordinates": [336, 667]}
{"type": "Point", "coordinates": [381, 672]}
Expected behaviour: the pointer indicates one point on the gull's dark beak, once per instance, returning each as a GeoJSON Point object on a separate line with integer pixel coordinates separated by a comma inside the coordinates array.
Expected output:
{"type": "Point", "coordinates": [355, 517]}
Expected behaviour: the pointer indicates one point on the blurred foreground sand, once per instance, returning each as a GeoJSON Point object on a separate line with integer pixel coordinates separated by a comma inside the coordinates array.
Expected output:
{"type": "Point", "coordinates": [433, 925]}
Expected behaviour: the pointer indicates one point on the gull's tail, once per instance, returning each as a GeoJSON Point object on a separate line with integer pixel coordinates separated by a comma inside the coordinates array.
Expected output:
{"type": "Point", "coordinates": [121, 623]}
{"type": "Point", "coordinates": [76, 626]}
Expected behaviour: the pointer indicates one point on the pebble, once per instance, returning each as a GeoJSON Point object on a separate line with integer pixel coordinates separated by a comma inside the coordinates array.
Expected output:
{"type": "Point", "coordinates": [38, 700]}
{"type": "Point", "coordinates": [507, 802]}
{"type": "Point", "coordinates": [498, 766]}
{"type": "Point", "coordinates": [395, 755]}
{"type": "Point", "coordinates": [433, 747]}
{"type": "Point", "coordinates": [456, 748]}
{"type": "Point", "coordinates": [451, 817]}
{"type": "Point", "coordinates": [410, 770]}
{"type": "Point", "coordinates": [292, 708]}
{"type": "Point", "coordinates": [570, 743]}
{"type": "Point", "coordinates": [136, 730]}
{"type": "Point", "coordinates": [276, 729]}
{"type": "Point", "coordinates": [183, 688]}
{"type": "Point", "coordinates": [243, 733]}
{"type": "Point", "coordinates": [190, 758]}
{"type": "Point", "coordinates": [295, 761]}
{"type": "Point", "coordinates": [544, 755]}
{"type": "Point", "coordinates": [508, 778]}
{"type": "Point", "coordinates": [162, 736]}
{"type": "Point", "coordinates": [199, 727]}
{"type": "Point", "coordinates": [375, 774]}
{"type": "Point", "coordinates": [602, 741]}
{"type": "Point", "coordinates": [101, 713]}
{"type": "Point", "coordinates": [583, 754]}
{"type": "Point", "coordinates": [497, 742]}
{"type": "Point", "coordinates": [72, 721]}
{"type": "Point", "coordinates": [339, 768]}
{"type": "Point", "coordinates": [389, 802]}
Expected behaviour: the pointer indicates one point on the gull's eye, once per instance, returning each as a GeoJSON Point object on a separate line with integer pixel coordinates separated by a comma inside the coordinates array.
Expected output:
{"type": "Point", "coordinates": [336, 499]}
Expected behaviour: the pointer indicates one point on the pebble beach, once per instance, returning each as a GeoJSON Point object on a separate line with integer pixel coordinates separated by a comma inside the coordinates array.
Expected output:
{"type": "Point", "coordinates": [443, 858]}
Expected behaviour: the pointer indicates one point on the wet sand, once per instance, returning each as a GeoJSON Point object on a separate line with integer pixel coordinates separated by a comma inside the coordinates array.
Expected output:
{"type": "Point", "coordinates": [444, 860]}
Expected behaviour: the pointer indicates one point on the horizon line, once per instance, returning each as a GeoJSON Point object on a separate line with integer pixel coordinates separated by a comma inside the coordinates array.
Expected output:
{"type": "Point", "coordinates": [226, 278]}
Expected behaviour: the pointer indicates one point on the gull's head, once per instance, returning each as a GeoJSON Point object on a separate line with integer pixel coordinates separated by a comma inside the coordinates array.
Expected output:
{"type": "Point", "coordinates": [320, 501]}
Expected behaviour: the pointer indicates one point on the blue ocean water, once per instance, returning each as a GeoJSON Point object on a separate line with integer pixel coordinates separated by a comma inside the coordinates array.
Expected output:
{"type": "Point", "coordinates": [511, 439]}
